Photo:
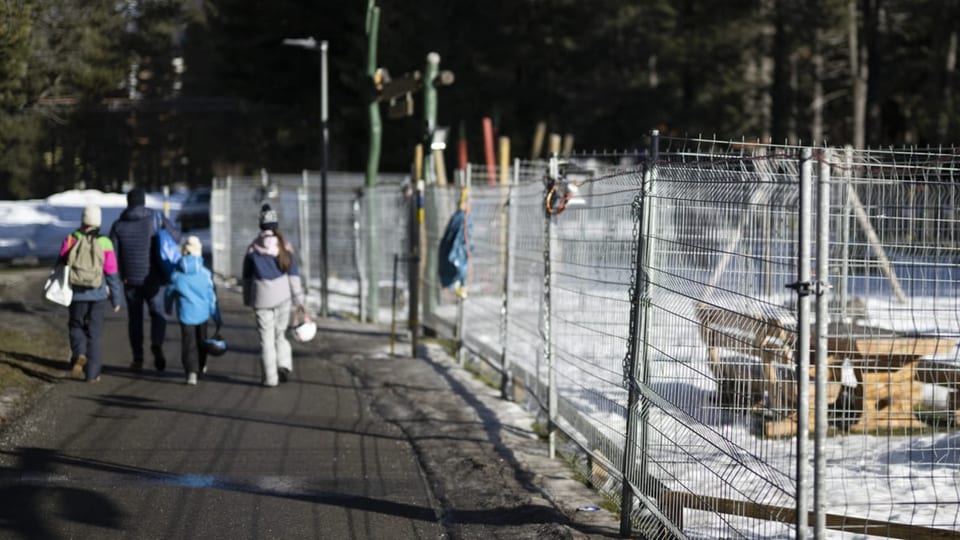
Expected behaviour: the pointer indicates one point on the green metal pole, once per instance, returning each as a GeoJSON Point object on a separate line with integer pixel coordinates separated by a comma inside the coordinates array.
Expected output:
{"type": "Point", "coordinates": [373, 165]}
{"type": "Point", "coordinates": [430, 173]}
{"type": "Point", "coordinates": [376, 127]}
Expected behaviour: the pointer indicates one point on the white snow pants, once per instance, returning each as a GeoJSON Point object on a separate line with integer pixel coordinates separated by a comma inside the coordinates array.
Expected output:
{"type": "Point", "coordinates": [275, 350]}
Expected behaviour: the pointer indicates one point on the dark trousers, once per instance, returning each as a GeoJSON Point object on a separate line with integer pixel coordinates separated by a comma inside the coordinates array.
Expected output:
{"type": "Point", "coordinates": [136, 296]}
{"type": "Point", "coordinates": [193, 353]}
{"type": "Point", "coordinates": [86, 334]}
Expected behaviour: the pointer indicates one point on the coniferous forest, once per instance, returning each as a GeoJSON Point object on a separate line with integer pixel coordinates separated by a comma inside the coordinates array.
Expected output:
{"type": "Point", "coordinates": [100, 93]}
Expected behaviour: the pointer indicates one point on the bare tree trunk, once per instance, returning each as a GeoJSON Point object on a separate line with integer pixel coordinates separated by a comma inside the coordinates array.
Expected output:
{"type": "Point", "coordinates": [859, 73]}
{"type": "Point", "coordinates": [816, 107]}
{"type": "Point", "coordinates": [950, 67]}
{"type": "Point", "coordinates": [780, 97]}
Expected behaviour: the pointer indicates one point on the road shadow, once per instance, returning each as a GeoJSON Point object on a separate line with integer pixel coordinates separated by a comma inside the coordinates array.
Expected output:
{"type": "Point", "coordinates": [41, 367]}
{"type": "Point", "coordinates": [36, 477]}
{"type": "Point", "coordinates": [25, 502]}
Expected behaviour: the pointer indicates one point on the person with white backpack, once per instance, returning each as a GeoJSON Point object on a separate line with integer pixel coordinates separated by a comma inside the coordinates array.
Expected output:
{"type": "Point", "coordinates": [94, 279]}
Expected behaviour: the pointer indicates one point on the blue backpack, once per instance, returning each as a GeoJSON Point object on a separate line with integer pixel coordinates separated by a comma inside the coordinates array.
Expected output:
{"type": "Point", "coordinates": [168, 247]}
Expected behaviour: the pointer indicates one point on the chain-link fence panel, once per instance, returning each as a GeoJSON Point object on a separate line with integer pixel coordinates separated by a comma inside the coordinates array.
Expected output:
{"type": "Point", "coordinates": [591, 258]}
{"type": "Point", "coordinates": [384, 229]}
{"type": "Point", "coordinates": [487, 239]}
{"type": "Point", "coordinates": [525, 290]}
{"type": "Point", "coordinates": [439, 304]}
{"type": "Point", "coordinates": [715, 364]}
{"type": "Point", "coordinates": [674, 283]}
{"type": "Point", "coordinates": [892, 334]}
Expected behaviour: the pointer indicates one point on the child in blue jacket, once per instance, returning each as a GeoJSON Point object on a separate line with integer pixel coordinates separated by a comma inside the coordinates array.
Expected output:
{"type": "Point", "coordinates": [192, 291]}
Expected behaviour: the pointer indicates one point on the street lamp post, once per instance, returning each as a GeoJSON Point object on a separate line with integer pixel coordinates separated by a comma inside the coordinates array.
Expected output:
{"type": "Point", "coordinates": [311, 44]}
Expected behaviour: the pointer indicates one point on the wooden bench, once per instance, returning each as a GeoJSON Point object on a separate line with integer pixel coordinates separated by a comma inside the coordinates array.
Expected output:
{"type": "Point", "coordinates": [888, 385]}
{"type": "Point", "coordinates": [763, 345]}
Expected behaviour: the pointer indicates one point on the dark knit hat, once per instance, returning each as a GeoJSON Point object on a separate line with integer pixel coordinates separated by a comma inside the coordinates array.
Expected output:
{"type": "Point", "coordinates": [268, 217]}
{"type": "Point", "coordinates": [136, 197]}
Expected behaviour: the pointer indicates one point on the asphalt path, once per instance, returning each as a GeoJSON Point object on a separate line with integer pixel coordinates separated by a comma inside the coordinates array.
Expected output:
{"type": "Point", "coordinates": [358, 444]}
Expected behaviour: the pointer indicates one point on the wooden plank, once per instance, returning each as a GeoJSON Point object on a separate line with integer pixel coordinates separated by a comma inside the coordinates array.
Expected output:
{"type": "Point", "coordinates": [675, 501]}
{"type": "Point", "coordinates": [903, 346]}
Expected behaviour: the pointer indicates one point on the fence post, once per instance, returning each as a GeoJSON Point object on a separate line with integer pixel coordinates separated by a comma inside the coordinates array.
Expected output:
{"type": "Point", "coordinates": [823, 301]}
{"type": "Point", "coordinates": [638, 296]}
{"type": "Point", "coordinates": [218, 238]}
{"type": "Point", "coordinates": [413, 268]}
{"type": "Point", "coordinates": [303, 211]}
{"type": "Point", "coordinates": [464, 205]}
{"type": "Point", "coordinates": [802, 288]}
{"type": "Point", "coordinates": [554, 175]}
{"type": "Point", "coordinates": [358, 250]}
{"type": "Point", "coordinates": [228, 227]}
{"type": "Point", "coordinates": [506, 371]}
{"type": "Point", "coordinates": [370, 239]}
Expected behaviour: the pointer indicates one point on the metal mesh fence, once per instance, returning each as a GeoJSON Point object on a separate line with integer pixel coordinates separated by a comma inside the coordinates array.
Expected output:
{"type": "Point", "coordinates": [893, 331]}
{"type": "Point", "coordinates": [525, 332]}
{"type": "Point", "coordinates": [483, 304]}
{"type": "Point", "coordinates": [716, 361]}
{"type": "Point", "coordinates": [661, 321]}
{"type": "Point", "coordinates": [591, 261]}
{"type": "Point", "coordinates": [439, 304]}
{"type": "Point", "coordinates": [384, 234]}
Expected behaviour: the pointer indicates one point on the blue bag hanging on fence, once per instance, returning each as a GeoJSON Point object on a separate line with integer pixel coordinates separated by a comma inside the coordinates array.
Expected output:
{"type": "Point", "coordinates": [167, 247]}
{"type": "Point", "coordinates": [455, 251]}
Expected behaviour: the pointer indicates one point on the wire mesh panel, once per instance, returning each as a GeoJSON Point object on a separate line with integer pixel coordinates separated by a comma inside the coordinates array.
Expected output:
{"type": "Point", "coordinates": [716, 358]}
{"type": "Point", "coordinates": [894, 450]}
{"type": "Point", "coordinates": [525, 337]}
{"type": "Point", "coordinates": [344, 191]}
{"type": "Point", "coordinates": [487, 238]}
{"type": "Point", "coordinates": [222, 262]}
{"type": "Point", "coordinates": [439, 305]}
{"type": "Point", "coordinates": [387, 234]}
{"type": "Point", "coordinates": [245, 198]}
{"type": "Point", "coordinates": [591, 264]}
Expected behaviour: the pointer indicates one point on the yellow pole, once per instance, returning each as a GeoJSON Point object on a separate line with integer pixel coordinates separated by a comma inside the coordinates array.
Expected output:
{"type": "Point", "coordinates": [418, 172]}
{"type": "Point", "coordinates": [554, 144]}
{"type": "Point", "coordinates": [504, 160]}
{"type": "Point", "coordinates": [538, 136]}
{"type": "Point", "coordinates": [418, 163]}
{"type": "Point", "coordinates": [440, 166]}
{"type": "Point", "coordinates": [567, 145]}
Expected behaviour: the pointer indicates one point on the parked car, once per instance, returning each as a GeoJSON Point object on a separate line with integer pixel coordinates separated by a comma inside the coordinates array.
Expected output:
{"type": "Point", "coordinates": [195, 211]}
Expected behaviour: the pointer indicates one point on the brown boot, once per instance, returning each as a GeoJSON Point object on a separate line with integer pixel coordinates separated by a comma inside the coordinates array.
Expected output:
{"type": "Point", "coordinates": [77, 370]}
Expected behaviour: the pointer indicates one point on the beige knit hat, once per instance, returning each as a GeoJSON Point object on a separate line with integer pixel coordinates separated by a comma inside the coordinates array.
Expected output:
{"type": "Point", "coordinates": [91, 216]}
{"type": "Point", "coordinates": [193, 246]}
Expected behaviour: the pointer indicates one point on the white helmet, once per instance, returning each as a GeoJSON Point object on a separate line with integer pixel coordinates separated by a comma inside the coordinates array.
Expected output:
{"type": "Point", "coordinates": [305, 331]}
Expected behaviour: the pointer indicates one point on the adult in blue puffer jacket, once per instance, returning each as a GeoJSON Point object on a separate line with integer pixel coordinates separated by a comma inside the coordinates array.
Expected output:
{"type": "Point", "coordinates": [138, 256]}
{"type": "Point", "coordinates": [271, 283]}
{"type": "Point", "coordinates": [192, 291]}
